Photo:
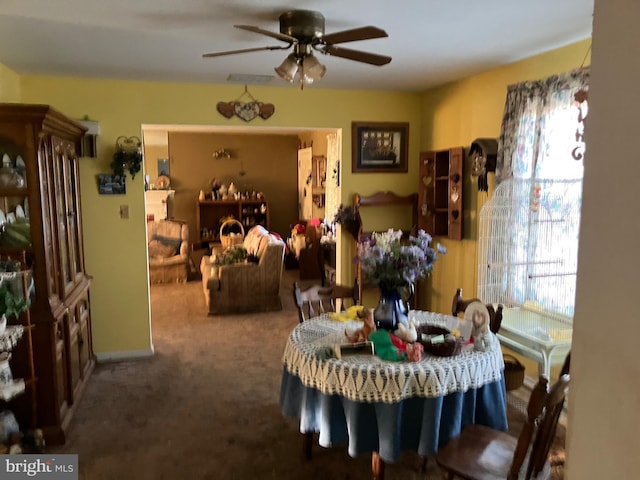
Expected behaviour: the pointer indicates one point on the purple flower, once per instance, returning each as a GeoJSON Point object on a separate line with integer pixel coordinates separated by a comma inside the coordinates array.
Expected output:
{"type": "Point", "coordinates": [389, 261]}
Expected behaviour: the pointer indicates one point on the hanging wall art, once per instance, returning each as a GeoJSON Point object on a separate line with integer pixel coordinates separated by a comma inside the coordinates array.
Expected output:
{"type": "Point", "coordinates": [247, 111]}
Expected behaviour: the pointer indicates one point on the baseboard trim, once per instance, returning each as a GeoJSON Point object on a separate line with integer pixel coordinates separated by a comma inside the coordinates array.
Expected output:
{"type": "Point", "coordinates": [104, 357]}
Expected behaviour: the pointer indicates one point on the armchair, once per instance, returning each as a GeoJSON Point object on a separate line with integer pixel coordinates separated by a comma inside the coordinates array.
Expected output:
{"type": "Point", "coordinates": [168, 246]}
{"type": "Point", "coordinates": [248, 286]}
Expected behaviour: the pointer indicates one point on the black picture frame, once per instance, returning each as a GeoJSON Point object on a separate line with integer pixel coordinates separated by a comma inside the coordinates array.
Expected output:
{"type": "Point", "coordinates": [380, 147]}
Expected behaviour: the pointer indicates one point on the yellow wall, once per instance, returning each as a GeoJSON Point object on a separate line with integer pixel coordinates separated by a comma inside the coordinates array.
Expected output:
{"type": "Point", "coordinates": [269, 163]}
{"type": "Point", "coordinates": [9, 85]}
{"type": "Point", "coordinates": [448, 116]}
{"type": "Point", "coordinates": [115, 248]}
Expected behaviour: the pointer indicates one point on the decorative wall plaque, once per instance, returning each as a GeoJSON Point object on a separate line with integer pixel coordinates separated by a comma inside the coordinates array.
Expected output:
{"type": "Point", "coordinates": [247, 111]}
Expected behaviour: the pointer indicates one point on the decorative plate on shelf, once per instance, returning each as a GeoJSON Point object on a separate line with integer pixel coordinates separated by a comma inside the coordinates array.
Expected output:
{"type": "Point", "coordinates": [163, 182]}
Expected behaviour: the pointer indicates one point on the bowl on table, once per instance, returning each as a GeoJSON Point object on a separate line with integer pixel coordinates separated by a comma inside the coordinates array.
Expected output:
{"type": "Point", "coordinates": [450, 346]}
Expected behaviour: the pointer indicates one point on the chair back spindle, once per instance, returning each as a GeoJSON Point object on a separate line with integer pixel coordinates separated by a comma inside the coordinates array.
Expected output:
{"type": "Point", "coordinates": [317, 299]}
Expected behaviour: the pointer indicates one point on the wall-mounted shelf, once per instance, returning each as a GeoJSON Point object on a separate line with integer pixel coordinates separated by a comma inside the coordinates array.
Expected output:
{"type": "Point", "coordinates": [440, 192]}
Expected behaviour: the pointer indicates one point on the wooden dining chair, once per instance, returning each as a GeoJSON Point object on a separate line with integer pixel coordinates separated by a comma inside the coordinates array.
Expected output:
{"type": "Point", "coordinates": [481, 453]}
{"type": "Point", "coordinates": [566, 365]}
{"type": "Point", "coordinates": [459, 305]}
{"type": "Point", "coordinates": [316, 299]}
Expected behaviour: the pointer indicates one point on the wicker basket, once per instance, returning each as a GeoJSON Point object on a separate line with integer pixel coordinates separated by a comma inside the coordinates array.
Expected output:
{"type": "Point", "coordinates": [513, 372]}
{"type": "Point", "coordinates": [231, 240]}
{"type": "Point", "coordinates": [446, 349]}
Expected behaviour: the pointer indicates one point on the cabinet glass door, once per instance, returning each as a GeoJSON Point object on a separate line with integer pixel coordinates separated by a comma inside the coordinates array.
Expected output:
{"type": "Point", "coordinates": [61, 211]}
{"type": "Point", "coordinates": [72, 195]}
{"type": "Point", "coordinates": [48, 199]}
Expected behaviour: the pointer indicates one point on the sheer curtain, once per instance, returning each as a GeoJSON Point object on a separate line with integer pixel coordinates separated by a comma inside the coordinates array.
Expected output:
{"type": "Point", "coordinates": [540, 157]}
{"type": "Point", "coordinates": [539, 129]}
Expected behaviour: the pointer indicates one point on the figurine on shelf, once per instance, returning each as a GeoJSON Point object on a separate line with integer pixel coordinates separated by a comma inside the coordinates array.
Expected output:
{"type": "Point", "coordinates": [6, 377]}
{"type": "Point", "coordinates": [9, 176]}
{"type": "Point", "coordinates": [216, 185]}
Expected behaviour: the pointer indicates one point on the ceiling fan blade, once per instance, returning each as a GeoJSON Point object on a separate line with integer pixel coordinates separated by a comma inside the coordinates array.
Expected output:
{"type": "Point", "coordinates": [357, 55]}
{"type": "Point", "coordinates": [244, 50]}
{"type": "Point", "coordinates": [361, 33]}
{"type": "Point", "coordinates": [268, 33]}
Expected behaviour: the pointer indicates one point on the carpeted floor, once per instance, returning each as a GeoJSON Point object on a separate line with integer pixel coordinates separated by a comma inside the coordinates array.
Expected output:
{"type": "Point", "coordinates": [206, 405]}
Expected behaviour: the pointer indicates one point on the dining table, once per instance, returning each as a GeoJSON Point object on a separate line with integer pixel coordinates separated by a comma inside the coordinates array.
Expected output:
{"type": "Point", "coordinates": [383, 407]}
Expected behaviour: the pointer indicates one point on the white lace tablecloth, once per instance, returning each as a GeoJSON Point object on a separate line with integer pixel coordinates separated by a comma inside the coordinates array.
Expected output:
{"type": "Point", "coordinates": [371, 379]}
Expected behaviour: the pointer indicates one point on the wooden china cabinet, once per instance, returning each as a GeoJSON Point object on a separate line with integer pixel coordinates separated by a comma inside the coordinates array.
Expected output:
{"type": "Point", "coordinates": [41, 219]}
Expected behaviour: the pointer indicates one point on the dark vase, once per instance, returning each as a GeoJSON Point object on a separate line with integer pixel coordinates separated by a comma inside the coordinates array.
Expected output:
{"type": "Point", "coordinates": [392, 309]}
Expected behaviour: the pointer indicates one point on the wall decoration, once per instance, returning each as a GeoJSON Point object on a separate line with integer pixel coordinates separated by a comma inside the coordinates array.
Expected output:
{"type": "Point", "coordinates": [380, 147]}
{"type": "Point", "coordinates": [247, 111]}
{"type": "Point", "coordinates": [128, 156]}
{"type": "Point", "coordinates": [163, 167]}
{"type": "Point", "coordinates": [109, 184]}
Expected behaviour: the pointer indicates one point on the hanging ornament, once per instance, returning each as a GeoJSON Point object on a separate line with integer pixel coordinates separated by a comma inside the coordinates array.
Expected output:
{"type": "Point", "coordinates": [247, 111]}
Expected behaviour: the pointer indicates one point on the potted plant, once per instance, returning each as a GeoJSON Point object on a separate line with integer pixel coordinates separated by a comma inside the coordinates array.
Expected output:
{"type": "Point", "coordinates": [11, 305]}
{"type": "Point", "coordinates": [348, 217]}
{"type": "Point", "coordinates": [128, 156]}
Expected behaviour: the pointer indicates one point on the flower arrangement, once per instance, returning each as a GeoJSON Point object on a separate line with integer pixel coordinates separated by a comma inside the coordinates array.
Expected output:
{"type": "Point", "coordinates": [349, 219]}
{"type": "Point", "coordinates": [391, 263]}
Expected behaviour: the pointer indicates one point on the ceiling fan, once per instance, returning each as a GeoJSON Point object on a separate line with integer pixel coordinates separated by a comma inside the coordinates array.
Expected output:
{"type": "Point", "coordinates": [304, 31]}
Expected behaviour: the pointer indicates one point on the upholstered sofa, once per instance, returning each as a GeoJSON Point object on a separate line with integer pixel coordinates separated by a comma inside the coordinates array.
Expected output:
{"type": "Point", "coordinates": [168, 251]}
{"type": "Point", "coordinates": [251, 286]}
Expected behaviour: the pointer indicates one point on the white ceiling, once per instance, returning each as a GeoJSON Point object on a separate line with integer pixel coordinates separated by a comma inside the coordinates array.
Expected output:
{"type": "Point", "coordinates": [431, 41]}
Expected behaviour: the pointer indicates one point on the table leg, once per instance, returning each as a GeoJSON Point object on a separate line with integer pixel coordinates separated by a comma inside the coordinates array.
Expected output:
{"type": "Point", "coordinates": [377, 466]}
{"type": "Point", "coordinates": [423, 467]}
{"type": "Point", "coordinates": [307, 444]}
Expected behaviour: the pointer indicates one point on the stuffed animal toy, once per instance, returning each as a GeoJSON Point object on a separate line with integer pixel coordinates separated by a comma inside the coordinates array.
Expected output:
{"type": "Point", "coordinates": [408, 334]}
{"type": "Point", "coordinates": [479, 316]}
{"type": "Point", "coordinates": [385, 346]}
{"type": "Point", "coordinates": [414, 351]}
{"type": "Point", "coordinates": [480, 326]}
{"type": "Point", "coordinates": [369, 326]}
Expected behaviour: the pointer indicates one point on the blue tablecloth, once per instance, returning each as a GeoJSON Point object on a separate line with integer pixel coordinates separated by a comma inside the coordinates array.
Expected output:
{"type": "Point", "coordinates": [388, 407]}
{"type": "Point", "coordinates": [417, 424]}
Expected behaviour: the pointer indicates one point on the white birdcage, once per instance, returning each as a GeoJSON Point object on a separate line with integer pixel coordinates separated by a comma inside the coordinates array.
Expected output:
{"type": "Point", "coordinates": [527, 261]}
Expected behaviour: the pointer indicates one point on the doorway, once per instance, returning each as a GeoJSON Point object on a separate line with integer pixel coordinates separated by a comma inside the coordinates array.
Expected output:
{"type": "Point", "coordinates": [323, 141]}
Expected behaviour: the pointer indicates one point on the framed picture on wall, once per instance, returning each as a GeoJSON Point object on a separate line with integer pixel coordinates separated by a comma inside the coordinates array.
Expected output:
{"type": "Point", "coordinates": [109, 184]}
{"type": "Point", "coordinates": [380, 147]}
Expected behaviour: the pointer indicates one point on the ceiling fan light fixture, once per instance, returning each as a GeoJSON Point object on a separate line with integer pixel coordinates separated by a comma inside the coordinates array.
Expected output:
{"type": "Point", "coordinates": [312, 68]}
{"type": "Point", "coordinates": [303, 31]}
{"type": "Point", "coordinates": [288, 69]}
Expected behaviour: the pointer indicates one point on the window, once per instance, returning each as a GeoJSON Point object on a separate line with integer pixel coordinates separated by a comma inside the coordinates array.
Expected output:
{"type": "Point", "coordinates": [528, 240]}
